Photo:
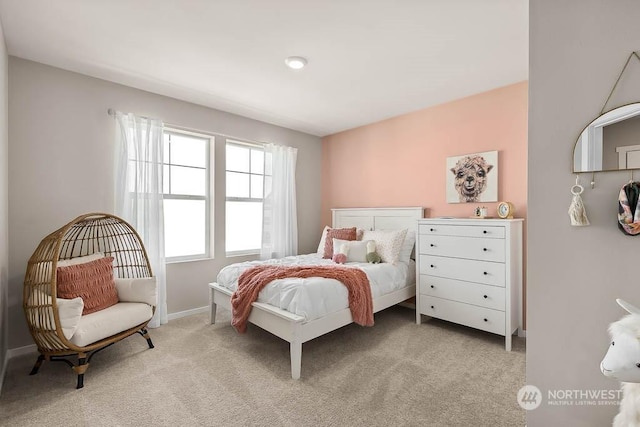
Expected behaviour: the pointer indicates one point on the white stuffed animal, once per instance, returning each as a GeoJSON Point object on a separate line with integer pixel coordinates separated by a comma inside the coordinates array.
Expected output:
{"type": "Point", "coordinates": [622, 362]}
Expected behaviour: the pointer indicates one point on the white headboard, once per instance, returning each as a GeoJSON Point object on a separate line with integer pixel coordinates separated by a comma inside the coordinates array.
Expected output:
{"type": "Point", "coordinates": [377, 218]}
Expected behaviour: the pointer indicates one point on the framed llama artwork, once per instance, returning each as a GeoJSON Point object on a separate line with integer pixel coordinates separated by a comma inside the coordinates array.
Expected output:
{"type": "Point", "coordinates": [472, 178]}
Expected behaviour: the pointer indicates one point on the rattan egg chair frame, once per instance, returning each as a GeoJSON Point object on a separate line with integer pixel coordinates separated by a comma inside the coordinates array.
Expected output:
{"type": "Point", "coordinates": [85, 235]}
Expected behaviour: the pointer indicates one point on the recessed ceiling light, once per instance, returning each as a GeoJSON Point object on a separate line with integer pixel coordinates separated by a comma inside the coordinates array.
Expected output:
{"type": "Point", "coordinates": [295, 62]}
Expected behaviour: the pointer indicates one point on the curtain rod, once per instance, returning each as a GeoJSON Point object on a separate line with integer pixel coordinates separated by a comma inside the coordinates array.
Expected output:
{"type": "Point", "coordinates": [112, 113]}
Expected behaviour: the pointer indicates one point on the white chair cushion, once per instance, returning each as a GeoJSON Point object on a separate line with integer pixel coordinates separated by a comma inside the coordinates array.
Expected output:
{"type": "Point", "coordinates": [110, 321]}
{"type": "Point", "coordinates": [142, 289]}
{"type": "Point", "coordinates": [69, 313]}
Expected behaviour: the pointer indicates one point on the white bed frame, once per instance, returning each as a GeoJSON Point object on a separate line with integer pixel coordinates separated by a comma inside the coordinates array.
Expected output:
{"type": "Point", "coordinates": [294, 328]}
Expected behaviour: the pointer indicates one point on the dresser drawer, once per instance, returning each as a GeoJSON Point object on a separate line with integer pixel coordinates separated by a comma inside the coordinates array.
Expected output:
{"type": "Point", "coordinates": [480, 248]}
{"type": "Point", "coordinates": [469, 315]}
{"type": "Point", "coordinates": [488, 273]}
{"type": "Point", "coordinates": [491, 232]}
{"type": "Point", "coordinates": [471, 293]}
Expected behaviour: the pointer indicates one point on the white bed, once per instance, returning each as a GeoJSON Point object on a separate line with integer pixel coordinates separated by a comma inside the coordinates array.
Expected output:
{"type": "Point", "coordinates": [312, 322]}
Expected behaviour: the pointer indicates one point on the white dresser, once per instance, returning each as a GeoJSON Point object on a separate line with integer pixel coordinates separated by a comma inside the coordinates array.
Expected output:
{"type": "Point", "coordinates": [470, 272]}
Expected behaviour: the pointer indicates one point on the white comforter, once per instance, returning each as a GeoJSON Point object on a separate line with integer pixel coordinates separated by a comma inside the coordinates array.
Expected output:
{"type": "Point", "coordinates": [315, 297]}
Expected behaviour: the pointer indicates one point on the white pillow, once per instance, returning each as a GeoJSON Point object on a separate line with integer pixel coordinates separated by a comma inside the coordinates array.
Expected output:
{"type": "Point", "coordinates": [80, 259]}
{"type": "Point", "coordinates": [69, 313]}
{"type": "Point", "coordinates": [323, 239]}
{"type": "Point", "coordinates": [407, 247]}
{"type": "Point", "coordinates": [388, 243]}
{"type": "Point", "coordinates": [357, 249]}
{"type": "Point", "coordinates": [142, 289]}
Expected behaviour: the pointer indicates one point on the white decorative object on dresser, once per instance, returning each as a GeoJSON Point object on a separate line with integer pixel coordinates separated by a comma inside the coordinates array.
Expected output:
{"type": "Point", "coordinates": [470, 272]}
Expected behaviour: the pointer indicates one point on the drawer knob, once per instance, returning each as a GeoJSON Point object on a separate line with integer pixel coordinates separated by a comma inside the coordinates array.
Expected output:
{"type": "Point", "coordinates": [432, 286]}
{"type": "Point", "coordinates": [484, 231]}
{"type": "Point", "coordinates": [486, 319]}
{"type": "Point", "coordinates": [432, 245]}
{"type": "Point", "coordinates": [485, 249]}
{"type": "Point", "coordinates": [432, 307]}
{"type": "Point", "coordinates": [431, 229]}
{"type": "Point", "coordinates": [432, 266]}
{"type": "Point", "coordinates": [485, 273]}
{"type": "Point", "coordinates": [486, 297]}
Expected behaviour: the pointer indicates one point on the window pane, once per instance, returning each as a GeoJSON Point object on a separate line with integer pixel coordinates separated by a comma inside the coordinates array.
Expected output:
{"type": "Point", "coordinates": [244, 226]}
{"type": "Point", "coordinates": [237, 184]}
{"type": "Point", "coordinates": [257, 161]}
{"type": "Point", "coordinates": [184, 227]}
{"type": "Point", "coordinates": [237, 158]}
{"type": "Point", "coordinates": [256, 186]}
{"type": "Point", "coordinates": [166, 178]}
{"type": "Point", "coordinates": [188, 181]}
{"type": "Point", "coordinates": [188, 151]}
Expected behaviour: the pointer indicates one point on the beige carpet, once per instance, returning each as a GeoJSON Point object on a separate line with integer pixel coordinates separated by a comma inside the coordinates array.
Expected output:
{"type": "Point", "coordinates": [393, 374]}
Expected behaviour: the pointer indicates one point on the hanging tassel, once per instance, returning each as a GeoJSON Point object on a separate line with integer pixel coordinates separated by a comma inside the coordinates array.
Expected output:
{"type": "Point", "coordinates": [577, 212]}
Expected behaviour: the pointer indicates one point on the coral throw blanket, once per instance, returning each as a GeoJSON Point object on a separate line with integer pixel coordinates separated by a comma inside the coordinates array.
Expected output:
{"type": "Point", "coordinates": [253, 280]}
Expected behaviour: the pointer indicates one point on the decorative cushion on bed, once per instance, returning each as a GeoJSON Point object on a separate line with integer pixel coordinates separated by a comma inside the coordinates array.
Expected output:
{"type": "Point", "coordinates": [357, 251]}
{"type": "Point", "coordinates": [142, 289]}
{"type": "Point", "coordinates": [407, 246]}
{"type": "Point", "coordinates": [337, 233]}
{"type": "Point", "coordinates": [323, 238]}
{"type": "Point", "coordinates": [91, 281]}
{"type": "Point", "coordinates": [388, 243]}
{"type": "Point", "coordinates": [69, 312]}
{"type": "Point", "coordinates": [110, 321]}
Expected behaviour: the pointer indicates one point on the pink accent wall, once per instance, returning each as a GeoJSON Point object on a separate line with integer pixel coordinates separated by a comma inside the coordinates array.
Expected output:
{"type": "Point", "coordinates": [401, 161]}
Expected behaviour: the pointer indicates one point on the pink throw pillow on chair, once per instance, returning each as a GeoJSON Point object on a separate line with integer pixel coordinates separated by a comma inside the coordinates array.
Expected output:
{"type": "Point", "coordinates": [91, 281]}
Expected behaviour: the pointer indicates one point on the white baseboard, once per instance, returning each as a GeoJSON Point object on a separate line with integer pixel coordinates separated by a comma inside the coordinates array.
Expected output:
{"type": "Point", "coordinates": [179, 314]}
{"type": "Point", "coordinates": [19, 351]}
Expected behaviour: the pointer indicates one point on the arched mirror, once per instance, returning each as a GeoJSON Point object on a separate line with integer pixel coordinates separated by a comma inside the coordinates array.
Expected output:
{"type": "Point", "coordinates": [610, 142]}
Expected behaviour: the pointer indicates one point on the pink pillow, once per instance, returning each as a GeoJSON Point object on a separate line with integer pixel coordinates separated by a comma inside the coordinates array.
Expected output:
{"type": "Point", "coordinates": [337, 233]}
{"type": "Point", "coordinates": [91, 281]}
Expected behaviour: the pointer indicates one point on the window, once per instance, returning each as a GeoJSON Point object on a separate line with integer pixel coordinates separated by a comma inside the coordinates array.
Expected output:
{"type": "Point", "coordinates": [246, 172]}
{"type": "Point", "coordinates": [186, 195]}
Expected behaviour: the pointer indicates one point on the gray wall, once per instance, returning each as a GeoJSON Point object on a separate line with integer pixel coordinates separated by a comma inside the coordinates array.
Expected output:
{"type": "Point", "coordinates": [4, 207]}
{"type": "Point", "coordinates": [61, 165]}
{"type": "Point", "coordinates": [577, 50]}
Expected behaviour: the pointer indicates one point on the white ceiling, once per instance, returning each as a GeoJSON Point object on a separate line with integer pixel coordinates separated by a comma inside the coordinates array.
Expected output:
{"type": "Point", "coordinates": [368, 59]}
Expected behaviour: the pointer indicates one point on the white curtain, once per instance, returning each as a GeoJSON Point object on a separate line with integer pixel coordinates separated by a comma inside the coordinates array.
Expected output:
{"type": "Point", "coordinates": [280, 219]}
{"type": "Point", "coordinates": [138, 192]}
